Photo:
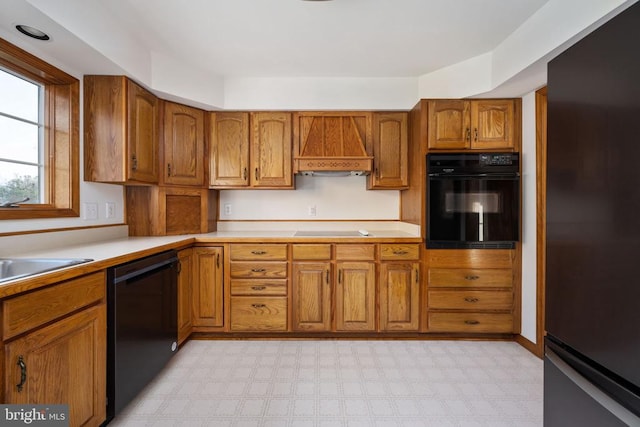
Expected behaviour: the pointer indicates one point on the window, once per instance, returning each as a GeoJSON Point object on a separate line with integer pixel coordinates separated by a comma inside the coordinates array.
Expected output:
{"type": "Point", "coordinates": [39, 138]}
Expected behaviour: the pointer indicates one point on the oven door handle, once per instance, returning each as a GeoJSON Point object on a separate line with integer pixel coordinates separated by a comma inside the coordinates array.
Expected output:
{"type": "Point", "coordinates": [442, 176]}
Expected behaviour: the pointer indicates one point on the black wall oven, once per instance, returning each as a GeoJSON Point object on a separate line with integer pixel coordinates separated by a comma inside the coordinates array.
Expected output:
{"type": "Point", "coordinates": [473, 200]}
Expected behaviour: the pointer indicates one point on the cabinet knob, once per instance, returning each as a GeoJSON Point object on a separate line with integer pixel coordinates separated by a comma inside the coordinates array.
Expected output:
{"type": "Point", "coordinates": [468, 134]}
{"type": "Point", "coordinates": [258, 288]}
{"type": "Point", "coordinates": [258, 270]}
{"type": "Point", "coordinates": [244, 174]}
{"type": "Point", "coordinates": [475, 134]}
{"type": "Point", "coordinates": [134, 162]}
{"type": "Point", "coordinates": [471, 299]}
{"type": "Point", "coordinates": [258, 252]}
{"type": "Point", "coordinates": [257, 305]}
{"type": "Point", "coordinates": [471, 322]}
{"type": "Point", "coordinates": [400, 252]}
{"type": "Point", "coordinates": [472, 277]}
{"type": "Point", "coordinates": [168, 169]}
{"type": "Point", "coordinates": [256, 174]}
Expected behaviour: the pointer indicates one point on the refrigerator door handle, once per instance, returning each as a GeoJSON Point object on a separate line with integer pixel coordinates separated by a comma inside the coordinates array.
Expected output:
{"type": "Point", "coordinates": [619, 411]}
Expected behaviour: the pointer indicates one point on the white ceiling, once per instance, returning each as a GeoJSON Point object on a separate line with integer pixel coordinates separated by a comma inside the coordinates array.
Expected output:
{"type": "Point", "coordinates": [346, 38]}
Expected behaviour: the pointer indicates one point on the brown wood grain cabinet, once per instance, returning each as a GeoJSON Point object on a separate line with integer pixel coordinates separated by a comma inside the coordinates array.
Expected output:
{"type": "Point", "coordinates": [355, 287]}
{"type": "Point", "coordinates": [121, 142]}
{"type": "Point", "coordinates": [208, 286]}
{"type": "Point", "coordinates": [251, 150]}
{"type": "Point", "coordinates": [185, 294]}
{"type": "Point", "coordinates": [390, 145]}
{"type": "Point", "coordinates": [312, 283]}
{"type": "Point", "coordinates": [399, 287]}
{"type": "Point", "coordinates": [183, 145]}
{"type": "Point", "coordinates": [58, 355]}
{"type": "Point", "coordinates": [471, 290]}
{"type": "Point", "coordinates": [258, 276]}
{"type": "Point", "coordinates": [484, 124]}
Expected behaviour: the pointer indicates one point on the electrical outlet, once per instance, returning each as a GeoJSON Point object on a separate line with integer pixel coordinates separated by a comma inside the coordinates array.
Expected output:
{"type": "Point", "coordinates": [90, 211]}
{"type": "Point", "coordinates": [110, 209]}
{"type": "Point", "coordinates": [227, 209]}
{"type": "Point", "coordinates": [313, 211]}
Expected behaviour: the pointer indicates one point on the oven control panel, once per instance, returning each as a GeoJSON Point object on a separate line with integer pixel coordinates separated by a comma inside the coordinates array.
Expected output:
{"type": "Point", "coordinates": [496, 159]}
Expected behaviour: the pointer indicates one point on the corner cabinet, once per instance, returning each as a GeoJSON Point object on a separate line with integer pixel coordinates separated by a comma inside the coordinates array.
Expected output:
{"type": "Point", "coordinates": [58, 355]}
{"type": "Point", "coordinates": [251, 150]}
{"type": "Point", "coordinates": [183, 145]}
{"type": "Point", "coordinates": [120, 131]}
{"type": "Point", "coordinates": [390, 151]}
{"type": "Point", "coordinates": [485, 124]}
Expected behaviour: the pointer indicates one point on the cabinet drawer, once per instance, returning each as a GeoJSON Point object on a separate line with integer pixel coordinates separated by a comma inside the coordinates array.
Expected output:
{"type": "Point", "coordinates": [259, 269]}
{"type": "Point", "coordinates": [470, 278]}
{"type": "Point", "coordinates": [470, 258]}
{"type": "Point", "coordinates": [311, 252]}
{"type": "Point", "coordinates": [259, 252]}
{"type": "Point", "coordinates": [471, 300]}
{"type": "Point", "coordinates": [258, 287]}
{"type": "Point", "coordinates": [25, 312]}
{"type": "Point", "coordinates": [258, 313]}
{"type": "Point", "coordinates": [471, 322]}
{"type": "Point", "coordinates": [355, 252]}
{"type": "Point", "coordinates": [399, 252]}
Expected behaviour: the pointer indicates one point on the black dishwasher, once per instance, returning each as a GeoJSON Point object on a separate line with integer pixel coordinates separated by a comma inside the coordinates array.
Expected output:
{"type": "Point", "coordinates": [142, 325]}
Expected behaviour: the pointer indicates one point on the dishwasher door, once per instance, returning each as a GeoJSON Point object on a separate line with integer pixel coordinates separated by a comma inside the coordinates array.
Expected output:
{"type": "Point", "coordinates": [142, 325]}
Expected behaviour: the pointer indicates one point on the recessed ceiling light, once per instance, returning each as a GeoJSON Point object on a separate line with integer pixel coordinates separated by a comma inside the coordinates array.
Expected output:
{"type": "Point", "coordinates": [32, 32]}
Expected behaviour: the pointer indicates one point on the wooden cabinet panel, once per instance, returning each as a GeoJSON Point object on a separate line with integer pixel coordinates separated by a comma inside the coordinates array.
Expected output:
{"type": "Point", "coordinates": [271, 287]}
{"type": "Point", "coordinates": [311, 252]}
{"type": "Point", "coordinates": [311, 296]}
{"type": "Point", "coordinates": [258, 313]}
{"type": "Point", "coordinates": [120, 131]}
{"type": "Point", "coordinates": [183, 145]}
{"type": "Point", "coordinates": [355, 252]}
{"type": "Point", "coordinates": [399, 296]}
{"type": "Point", "coordinates": [449, 124]}
{"type": "Point", "coordinates": [19, 315]}
{"type": "Point", "coordinates": [470, 258]}
{"type": "Point", "coordinates": [390, 151]}
{"type": "Point", "coordinates": [492, 123]}
{"type": "Point", "coordinates": [229, 159]}
{"type": "Point", "coordinates": [394, 252]}
{"type": "Point", "coordinates": [259, 270]}
{"type": "Point", "coordinates": [271, 150]}
{"type": "Point", "coordinates": [208, 287]}
{"type": "Point", "coordinates": [185, 294]}
{"type": "Point", "coordinates": [355, 296]}
{"type": "Point", "coordinates": [470, 300]}
{"type": "Point", "coordinates": [471, 322]}
{"type": "Point", "coordinates": [64, 363]}
{"type": "Point", "coordinates": [258, 252]}
{"type": "Point", "coordinates": [467, 277]}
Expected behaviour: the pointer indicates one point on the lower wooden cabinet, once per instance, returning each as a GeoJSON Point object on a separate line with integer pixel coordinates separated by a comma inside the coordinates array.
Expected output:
{"type": "Point", "coordinates": [399, 290]}
{"type": "Point", "coordinates": [208, 288]}
{"type": "Point", "coordinates": [311, 287]}
{"type": "Point", "coordinates": [258, 313]}
{"type": "Point", "coordinates": [185, 297]}
{"type": "Point", "coordinates": [356, 296]}
{"type": "Point", "coordinates": [59, 355]}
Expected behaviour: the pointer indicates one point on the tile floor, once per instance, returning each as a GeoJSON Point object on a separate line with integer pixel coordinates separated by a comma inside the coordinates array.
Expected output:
{"type": "Point", "coordinates": [343, 383]}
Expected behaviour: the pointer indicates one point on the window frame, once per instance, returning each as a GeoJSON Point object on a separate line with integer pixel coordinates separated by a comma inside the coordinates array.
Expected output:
{"type": "Point", "coordinates": [61, 140]}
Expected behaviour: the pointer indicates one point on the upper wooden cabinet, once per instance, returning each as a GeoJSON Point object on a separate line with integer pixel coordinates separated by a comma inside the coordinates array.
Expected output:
{"type": "Point", "coordinates": [476, 124]}
{"type": "Point", "coordinates": [183, 145]}
{"type": "Point", "coordinates": [390, 151]}
{"type": "Point", "coordinates": [120, 131]}
{"type": "Point", "coordinates": [251, 150]}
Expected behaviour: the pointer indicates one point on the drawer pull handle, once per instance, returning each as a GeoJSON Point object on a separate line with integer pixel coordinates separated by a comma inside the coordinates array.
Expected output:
{"type": "Point", "coordinates": [257, 305]}
{"type": "Point", "coordinates": [471, 299]}
{"type": "Point", "coordinates": [472, 277]}
{"type": "Point", "coordinates": [258, 288]}
{"type": "Point", "coordinates": [258, 252]}
{"type": "Point", "coordinates": [23, 373]}
{"type": "Point", "coordinates": [400, 252]}
{"type": "Point", "coordinates": [258, 270]}
{"type": "Point", "coordinates": [471, 322]}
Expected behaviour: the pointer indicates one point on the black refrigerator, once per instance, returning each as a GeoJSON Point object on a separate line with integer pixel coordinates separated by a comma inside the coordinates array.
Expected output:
{"type": "Point", "coordinates": [592, 355]}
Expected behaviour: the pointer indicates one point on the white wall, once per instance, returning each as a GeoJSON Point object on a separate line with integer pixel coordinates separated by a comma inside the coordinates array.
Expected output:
{"type": "Point", "coordinates": [334, 198]}
{"type": "Point", "coordinates": [529, 207]}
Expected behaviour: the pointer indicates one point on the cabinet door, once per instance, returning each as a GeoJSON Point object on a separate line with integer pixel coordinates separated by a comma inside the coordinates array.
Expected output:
{"type": "Point", "coordinates": [142, 133]}
{"type": "Point", "coordinates": [399, 296]}
{"type": "Point", "coordinates": [493, 124]}
{"type": "Point", "coordinates": [207, 287]}
{"type": "Point", "coordinates": [183, 140]}
{"type": "Point", "coordinates": [185, 294]}
{"type": "Point", "coordinates": [312, 296]}
{"type": "Point", "coordinates": [356, 296]}
{"type": "Point", "coordinates": [63, 363]}
{"type": "Point", "coordinates": [449, 124]}
{"type": "Point", "coordinates": [271, 151]}
{"type": "Point", "coordinates": [229, 159]}
{"type": "Point", "coordinates": [390, 148]}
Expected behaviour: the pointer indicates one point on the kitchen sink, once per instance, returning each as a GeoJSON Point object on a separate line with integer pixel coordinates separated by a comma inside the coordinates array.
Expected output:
{"type": "Point", "coordinates": [14, 268]}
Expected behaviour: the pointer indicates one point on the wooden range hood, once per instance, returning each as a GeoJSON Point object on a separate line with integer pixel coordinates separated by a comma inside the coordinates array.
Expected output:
{"type": "Point", "coordinates": [332, 142]}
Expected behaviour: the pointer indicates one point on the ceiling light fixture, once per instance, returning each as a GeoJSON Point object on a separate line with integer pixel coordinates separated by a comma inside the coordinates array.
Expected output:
{"type": "Point", "coordinates": [32, 32]}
